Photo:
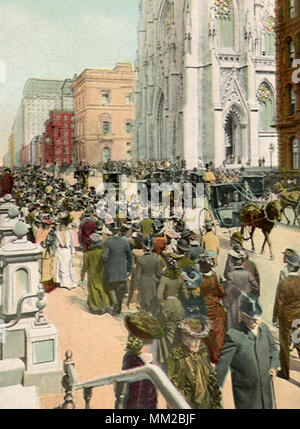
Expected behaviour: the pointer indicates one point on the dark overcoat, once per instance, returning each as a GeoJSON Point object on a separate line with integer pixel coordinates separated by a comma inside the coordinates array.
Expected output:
{"type": "Point", "coordinates": [118, 259]}
{"type": "Point", "coordinates": [148, 273]}
{"type": "Point", "coordinates": [250, 359]}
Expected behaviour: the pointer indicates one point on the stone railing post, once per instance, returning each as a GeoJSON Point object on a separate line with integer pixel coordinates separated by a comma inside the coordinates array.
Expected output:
{"type": "Point", "coordinates": [67, 384]}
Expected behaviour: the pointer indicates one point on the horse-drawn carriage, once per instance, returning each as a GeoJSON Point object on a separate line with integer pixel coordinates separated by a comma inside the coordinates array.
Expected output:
{"type": "Point", "coordinates": [224, 205]}
{"type": "Point", "coordinates": [231, 206]}
{"type": "Point", "coordinates": [255, 183]}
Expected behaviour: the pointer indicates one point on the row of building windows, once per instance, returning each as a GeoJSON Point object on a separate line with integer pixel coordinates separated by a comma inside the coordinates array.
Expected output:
{"type": "Point", "coordinates": [106, 154]}
{"type": "Point", "coordinates": [107, 127]}
{"type": "Point", "coordinates": [106, 99]}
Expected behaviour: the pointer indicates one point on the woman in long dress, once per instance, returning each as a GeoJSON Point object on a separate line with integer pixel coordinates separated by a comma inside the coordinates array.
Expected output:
{"type": "Point", "coordinates": [189, 367]}
{"type": "Point", "coordinates": [64, 245]}
{"type": "Point", "coordinates": [99, 296]}
{"type": "Point", "coordinates": [213, 293]}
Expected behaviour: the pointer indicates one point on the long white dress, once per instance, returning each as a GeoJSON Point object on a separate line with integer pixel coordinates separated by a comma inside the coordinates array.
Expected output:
{"type": "Point", "coordinates": [65, 271]}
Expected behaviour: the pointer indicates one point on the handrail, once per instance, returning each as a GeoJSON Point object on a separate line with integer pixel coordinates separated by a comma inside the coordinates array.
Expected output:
{"type": "Point", "coordinates": [18, 313]}
{"type": "Point", "coordinates": [148, 371]}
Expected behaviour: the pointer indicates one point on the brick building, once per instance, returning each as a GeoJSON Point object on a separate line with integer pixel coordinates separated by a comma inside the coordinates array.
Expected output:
{"type": "Point", "coordinates": [104, 111]}
{"type": "Point", "coordinates": [288, 82]}
{"type": "Point", "coordinates": [57, 144]}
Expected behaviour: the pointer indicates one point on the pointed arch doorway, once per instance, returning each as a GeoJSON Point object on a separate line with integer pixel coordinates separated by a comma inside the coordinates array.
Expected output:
{"type": "Point", "coordinates": [235, 145]}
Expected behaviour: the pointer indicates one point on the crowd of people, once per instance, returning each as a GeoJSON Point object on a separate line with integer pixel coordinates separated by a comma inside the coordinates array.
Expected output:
{"type": "Point", "coordinates": [182, 313]}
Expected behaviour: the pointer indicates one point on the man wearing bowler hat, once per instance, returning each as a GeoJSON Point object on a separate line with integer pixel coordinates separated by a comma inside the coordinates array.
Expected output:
{"type": "Point", "coordinates": [238, 280]}
{"type": "Point", "coordinates": [287, 310]}
{"type": "Point", "coordinates": [118, 260]}
{"type": "Point", "coordinates": [252, 356]}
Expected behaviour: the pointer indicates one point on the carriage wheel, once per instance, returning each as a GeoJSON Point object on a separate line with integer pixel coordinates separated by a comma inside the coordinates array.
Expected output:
{"type": "Point", "coordinates": [246, 232]}
{"type": "Point", "coordinates": [205, 215]}
{"type": "Point", "coordinates": [298, 213]}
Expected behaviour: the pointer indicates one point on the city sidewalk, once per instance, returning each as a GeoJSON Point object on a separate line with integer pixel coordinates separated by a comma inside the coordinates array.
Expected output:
{"type": "Point", "coordinates": [98, 344]}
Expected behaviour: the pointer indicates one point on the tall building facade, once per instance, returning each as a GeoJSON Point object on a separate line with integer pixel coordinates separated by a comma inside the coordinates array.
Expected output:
{"type": "Point", "coordinates": [40, 96]}
{"type": "Point", "coordinates": [104, 109]}
{"type": "Point", "coordinates": [206, 81]}
{"type": "Point", "coordinates": [288, 82]}
{"type": "Point", "coordinates": [18, 132]}
{"type": "Point", "coordinates": [11, 148]}
{"type": "Point", "coordinates": [57, 141]}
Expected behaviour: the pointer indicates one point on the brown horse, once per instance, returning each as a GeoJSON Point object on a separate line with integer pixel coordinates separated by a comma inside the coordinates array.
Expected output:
{"type": "Point", "coordinates": [252, 216]}
{"type": "Point", "coordinates": [288, 199]}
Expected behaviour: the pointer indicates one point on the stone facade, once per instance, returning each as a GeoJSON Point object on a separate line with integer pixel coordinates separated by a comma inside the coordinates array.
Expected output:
{"type": "Point", "coordinates": [40, 96]}
{"type": "Point", "coordinates": [206, 81]}
{"type": "Point", "coordinates": [288, 88]}
{"type": "Point", "coordinates": [104, 114]}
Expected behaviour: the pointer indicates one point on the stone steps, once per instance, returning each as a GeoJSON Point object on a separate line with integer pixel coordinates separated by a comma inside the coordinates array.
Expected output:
{"type": "Point", "coordinates": [19, 397]}
{"type": "Point", "coordinates": [11, 372]}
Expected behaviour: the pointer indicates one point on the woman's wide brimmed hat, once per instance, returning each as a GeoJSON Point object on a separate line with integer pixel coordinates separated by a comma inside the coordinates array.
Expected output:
{"type": "Point", "coordinates": [95, 238]}
{"type": "Point", "coordinates": [293, 259]}
{"type": "Point", "coordinates": [172, 234]}
{"type": "Point", "coordinates": [183, 244]}
{"type": "Point", "coordinates": [172, 263]}
{"type": "Point", "coordinates": [237, 236]}
{"type": "Point", "coordinates": [195, 327]}
{"type": "Point", "coordinates": [193, 278]}
{"type": "Point", "coordinates": [143, 325]}
{"type": "Point", "coordinates": [196, 252]}
{"type": "Point", "coordinates": [237, 255]}
{"type": "Point", "coordinates": [65, 217]}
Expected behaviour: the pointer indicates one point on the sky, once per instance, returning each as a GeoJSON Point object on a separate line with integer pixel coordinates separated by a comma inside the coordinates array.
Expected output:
{"type": "Point", "coordinates": [56, 39]}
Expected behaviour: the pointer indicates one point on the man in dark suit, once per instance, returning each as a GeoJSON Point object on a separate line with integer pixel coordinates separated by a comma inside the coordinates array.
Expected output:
{"type": "Point", "coordinates": [148, 273]}
{"type": "Point", "coordinates": [287, 310]}
{"type": "Point", "coordinates": [118, 260]}
{"type": "Point", "coordinates": [252, 356]}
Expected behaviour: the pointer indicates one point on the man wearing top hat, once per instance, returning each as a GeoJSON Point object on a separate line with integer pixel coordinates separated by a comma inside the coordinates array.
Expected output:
{"type": "Point", "coordinates": [118, 260]}
{"type": "Point", "coordinates": [287, 310]}
{"type": "Point", "coordinates": [252, 356]}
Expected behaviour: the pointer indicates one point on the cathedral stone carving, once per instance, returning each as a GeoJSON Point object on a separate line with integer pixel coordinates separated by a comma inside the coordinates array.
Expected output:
{"type": "Point", "coordinates": [208, 62]}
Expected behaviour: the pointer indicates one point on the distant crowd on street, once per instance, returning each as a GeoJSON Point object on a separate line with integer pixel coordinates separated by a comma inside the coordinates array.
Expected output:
{"type": "Point", "coordinates": [156, 274]}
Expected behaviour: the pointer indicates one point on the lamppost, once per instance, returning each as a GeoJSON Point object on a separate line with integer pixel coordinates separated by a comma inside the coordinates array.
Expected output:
{"type": "Point", "coordinates": [271, 149]}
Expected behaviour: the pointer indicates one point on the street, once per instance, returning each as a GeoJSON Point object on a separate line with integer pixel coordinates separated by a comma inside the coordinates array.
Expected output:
{"type": "Point", "coordinates": [98, 342]}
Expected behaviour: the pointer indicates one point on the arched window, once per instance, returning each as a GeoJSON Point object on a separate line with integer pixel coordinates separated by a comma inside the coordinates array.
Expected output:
{"type": "Point", "coordinates": [224, 11]}
{"type": "Point", "coordinates": [270, 44]}
{"type": "Point", "coordinates": [292, 100]}
{"type": "Point", "coordinates": [291, 52]}
{"type": "Point", "coordinates": [292, 9]}
{"type": "Point", "coordinates": [269, 36]}
{"type": "Point", "coordinates": [106, 154]}
{"type": "Point", "coordinates": [295, 154]}
{"type": "Point", "coordinates": [266, 101]}
{"type": "Point", "coordinates": [106, 127]}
